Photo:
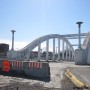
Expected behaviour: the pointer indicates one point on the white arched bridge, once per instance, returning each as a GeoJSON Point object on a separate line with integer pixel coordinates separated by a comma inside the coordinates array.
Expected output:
{"type": "Point", "coordinates": [66, 53]}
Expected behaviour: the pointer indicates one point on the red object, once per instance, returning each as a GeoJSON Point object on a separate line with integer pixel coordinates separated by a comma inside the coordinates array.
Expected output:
{"type": "Point", "coordinates": [6, 66]}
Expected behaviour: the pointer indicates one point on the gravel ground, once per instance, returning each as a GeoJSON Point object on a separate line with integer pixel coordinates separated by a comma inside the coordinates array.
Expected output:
{"type": "Point", "coordinates": [15, 85]}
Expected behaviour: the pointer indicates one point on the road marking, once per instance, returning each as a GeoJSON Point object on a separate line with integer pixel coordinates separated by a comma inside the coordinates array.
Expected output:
{"type": "Point", "coordinates": [77, 82]}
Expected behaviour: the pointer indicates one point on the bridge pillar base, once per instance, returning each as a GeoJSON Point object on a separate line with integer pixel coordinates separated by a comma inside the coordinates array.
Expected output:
{"type": "Point", "coordinates": [80, 57]}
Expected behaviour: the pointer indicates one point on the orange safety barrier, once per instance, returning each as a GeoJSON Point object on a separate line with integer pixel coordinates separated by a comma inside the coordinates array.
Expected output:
{"type": "Point", "coordinates": [36, 65]}
{"type": "Point", "coordinates": [6, 66]}
{"type": "Point", "coordinates": [17, 64]}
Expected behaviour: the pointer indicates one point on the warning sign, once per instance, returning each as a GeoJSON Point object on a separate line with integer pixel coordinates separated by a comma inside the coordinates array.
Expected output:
{"type": "Point", "coordinates": [6, 66]}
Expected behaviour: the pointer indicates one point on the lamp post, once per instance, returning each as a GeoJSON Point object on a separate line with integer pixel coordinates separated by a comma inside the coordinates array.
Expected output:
{"type": "Point", "coordinates": [13, 39]}
{"type": "Point", "coordinates": [79, 26]}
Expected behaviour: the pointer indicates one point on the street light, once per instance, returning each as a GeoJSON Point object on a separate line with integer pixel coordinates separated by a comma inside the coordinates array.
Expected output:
{"type": "Point", "coordinates": [13, 39]}
{"type": "Point", "coordinates": [79, 26]}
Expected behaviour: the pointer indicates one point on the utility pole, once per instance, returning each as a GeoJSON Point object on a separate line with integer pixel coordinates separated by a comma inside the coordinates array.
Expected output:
{"type": "Point", "coordinates": [79, 38]}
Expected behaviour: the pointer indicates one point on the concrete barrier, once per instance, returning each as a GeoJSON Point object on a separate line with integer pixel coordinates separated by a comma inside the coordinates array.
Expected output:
{"type": "Point", "coordinates": [0, 64]}
{"type": "Point", "coordinates": [17, 66]}
{"type": "Point", "coordinates": [30, 68]}
{"type": "Point", "coordinates": [37, 69]}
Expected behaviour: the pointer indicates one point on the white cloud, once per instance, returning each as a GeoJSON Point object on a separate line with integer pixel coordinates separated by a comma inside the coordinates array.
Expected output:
{"type": "Point", "coordinates": [17, 44]}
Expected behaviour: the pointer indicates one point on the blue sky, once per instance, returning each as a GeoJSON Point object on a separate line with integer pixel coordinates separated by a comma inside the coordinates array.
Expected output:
{"type": "Point", "coordinates": [34, 18]}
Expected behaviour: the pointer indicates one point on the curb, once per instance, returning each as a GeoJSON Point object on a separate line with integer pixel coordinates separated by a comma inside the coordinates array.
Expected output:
{"type": "Point", "coordinates": [74, 79]}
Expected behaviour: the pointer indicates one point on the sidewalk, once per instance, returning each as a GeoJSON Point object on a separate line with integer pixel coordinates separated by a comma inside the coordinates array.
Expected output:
{"type": "Point", "coordinates": [79, 75]}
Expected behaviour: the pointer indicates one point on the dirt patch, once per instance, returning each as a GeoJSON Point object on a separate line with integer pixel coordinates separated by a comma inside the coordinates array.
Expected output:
{"type": "Point", "coordinates": [26, 86]}
{"type": "Point", "coordinates": [66, 85]}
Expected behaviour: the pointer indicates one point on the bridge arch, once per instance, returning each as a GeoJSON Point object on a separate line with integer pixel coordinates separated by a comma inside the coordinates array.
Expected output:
{"type": "Point", "coordinates": [24, 53]}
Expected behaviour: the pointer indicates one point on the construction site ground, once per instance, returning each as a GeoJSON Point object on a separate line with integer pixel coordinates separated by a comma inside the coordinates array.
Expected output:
{"type": "Point", "coordinates": [57, 80]}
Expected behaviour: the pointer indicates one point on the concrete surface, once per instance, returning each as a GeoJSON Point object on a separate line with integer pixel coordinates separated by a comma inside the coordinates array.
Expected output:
{"type": "Point", "coordinates": [58, 81]}
{"type": "Point", "coordinates": [82, 73]}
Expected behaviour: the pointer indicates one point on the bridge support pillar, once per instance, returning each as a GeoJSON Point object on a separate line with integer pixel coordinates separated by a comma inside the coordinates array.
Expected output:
{"type": "Point", "coordinates": [58, 48]}
{"type": "Point", "coordinates": [63, 51]}
{"type": "Point", "coordinates": [47, 49]}
{"type": "Point", "coordinates": [72, 56]}
{"type": "Point", "coordinates": [39, 52]}
{"type": "Point", "coordinates": [69, 53]}
{"type": "Point", "coordinates": [66, 51]}
{"type": "Point", "coordinates": [53, 49]}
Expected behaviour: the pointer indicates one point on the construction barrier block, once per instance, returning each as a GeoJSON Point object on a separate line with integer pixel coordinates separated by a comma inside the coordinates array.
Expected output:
{"type": "Point", "coordinates": [18, 64]}
{"type": "Point", "coordinates": [36, 65]}
{"type": "Point", "coordinates": [30, 68]}
{"type": "Point", "coordinates": [36, 69]}
{"type": "Point", "coordinates": [0, 64]}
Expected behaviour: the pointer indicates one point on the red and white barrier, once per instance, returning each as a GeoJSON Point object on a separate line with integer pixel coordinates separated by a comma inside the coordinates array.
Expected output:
{"type": "Point", "coordinates": [30, 64]}
{"type": "Point", "coordinates": [36, 65]}
{"type": "Point", "coordinates": [17, 64]}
